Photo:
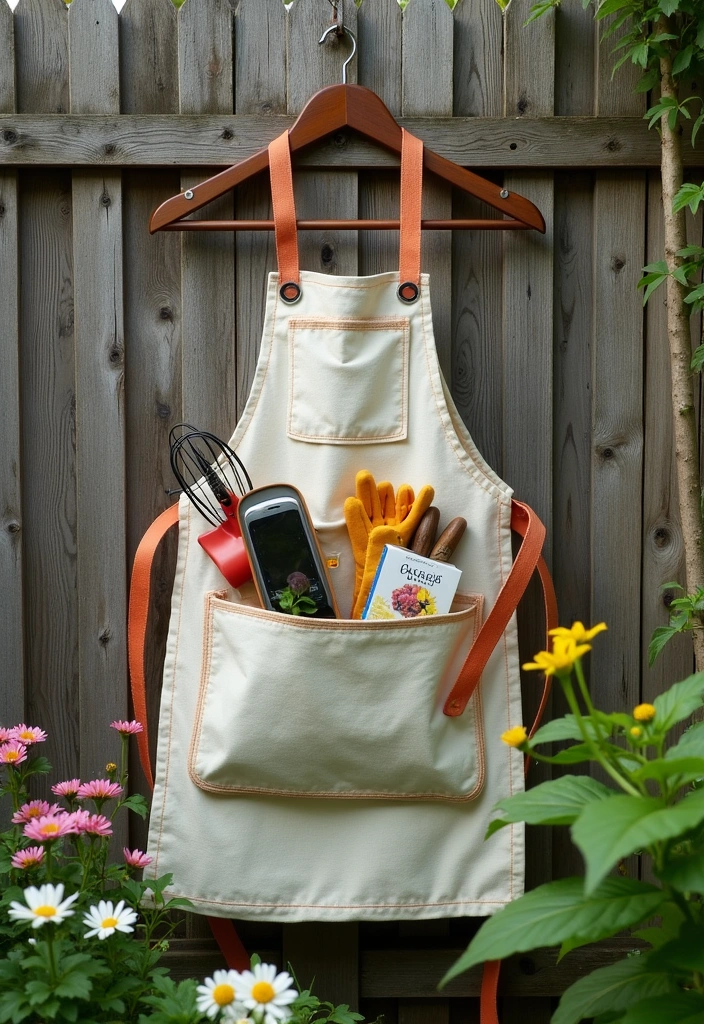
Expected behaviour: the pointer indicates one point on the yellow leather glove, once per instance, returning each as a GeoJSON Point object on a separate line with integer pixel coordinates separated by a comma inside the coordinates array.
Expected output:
{"type": "Point", "coordinates": [375, 509]}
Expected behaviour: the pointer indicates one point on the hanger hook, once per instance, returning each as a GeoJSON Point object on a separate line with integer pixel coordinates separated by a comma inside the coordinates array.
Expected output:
{"type": "Point", "coordinates": [350, 33]}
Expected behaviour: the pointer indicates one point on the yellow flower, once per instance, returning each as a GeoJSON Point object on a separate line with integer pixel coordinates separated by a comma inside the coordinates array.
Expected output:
{"type": "Point", "coordinates": [636, 732]}
{"type": "Point", "coordinates": [644, 713]}
{"type": "Point", "coordinates": [578, 633]}
{"type": "Point", "coordinates": [559, 661]}
{"type": "Point", "coordinates": [110, 767]}
{"type": "Point", "coordinates": [515, 737]}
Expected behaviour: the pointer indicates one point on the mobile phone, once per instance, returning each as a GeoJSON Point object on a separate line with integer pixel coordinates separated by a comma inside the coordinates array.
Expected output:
{"type": "Point", "coordinates": [280, 541]}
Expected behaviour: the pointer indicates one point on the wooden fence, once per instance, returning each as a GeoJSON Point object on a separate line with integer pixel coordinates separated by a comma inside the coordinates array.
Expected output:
{"type": "Point", "coordinates": [109, 336]}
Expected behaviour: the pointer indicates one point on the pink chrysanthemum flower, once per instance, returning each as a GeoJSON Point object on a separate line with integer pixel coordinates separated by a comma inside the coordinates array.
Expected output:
{"type": "Point", "coordinates": [93, 824]}
{"type": "Point", "coordinates": [99, 789]}
{"type": "Point", "coordinates": [13, 752]}
{"type": "Point", "coordinates": [5, 734]}
{"type": "Point", "coordinates": [135, 858]}
{"type": "Point", "coordinates": [50, 827]}
{"type": "Point", "coordinates": [34, 809]}
{"type": "Point", "coordinates": [28, 734]}
{"type": "Point", "coordinates": [29, 858]}
{"type": "Point", "coordinates": [66, 789]}
{"type": "Point", "coordinates": [127, 728]}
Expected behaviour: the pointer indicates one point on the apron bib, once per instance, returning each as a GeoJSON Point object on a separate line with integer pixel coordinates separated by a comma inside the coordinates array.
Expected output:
{"type": "Point", "coordinates": [333, 814]}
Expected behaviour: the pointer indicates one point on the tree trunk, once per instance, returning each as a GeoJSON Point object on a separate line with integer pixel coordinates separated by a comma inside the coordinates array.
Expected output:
{"type": "Point", "coordinates": [685, 426]}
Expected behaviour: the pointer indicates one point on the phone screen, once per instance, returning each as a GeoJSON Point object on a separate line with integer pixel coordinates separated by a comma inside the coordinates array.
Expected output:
{"type": "Point", "coordinates": [282, 548]}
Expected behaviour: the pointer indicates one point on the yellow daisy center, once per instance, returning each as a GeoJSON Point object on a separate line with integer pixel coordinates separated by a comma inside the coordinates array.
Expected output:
{"type": "Point", "coordinates": [50, 829]}
{"type": "Point", "coordinates": [109, 922]}
{"type": "Point", "coordinates": [45, 911]}
{"type": "Point", "coordinates": [223, 994]}
{"type": "Point", "coordinates": [263, 992]}
{"type": "Point", "coordinates": [34, 812]}
{"type": "Point", "coordinates": [27, 735]}
{"type": "Point", "coordinates": [12, 755]}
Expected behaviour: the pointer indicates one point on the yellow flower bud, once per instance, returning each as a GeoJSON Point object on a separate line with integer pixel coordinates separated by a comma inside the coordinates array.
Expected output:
{"type": "Point", "coordinates": [644, 713]}
{"type": "Point", "coordinates": [636, 732]}
{"type": "Point", "coordinates": [515, 737]}
{"type": "Point", "coordinates": [110, 767]}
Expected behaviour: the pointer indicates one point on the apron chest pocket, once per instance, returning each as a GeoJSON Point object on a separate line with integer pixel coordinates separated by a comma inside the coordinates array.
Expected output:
{"type": "Point", "coordinates": [335, 708]}
{"type": "Point", "coordinates": [348, 380]}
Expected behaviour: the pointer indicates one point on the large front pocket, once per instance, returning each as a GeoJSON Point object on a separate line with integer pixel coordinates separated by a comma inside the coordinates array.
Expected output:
{"type": "Point", "coordinates": [348, 379]}
{"type": "Point", "coordinates": [335, 708]}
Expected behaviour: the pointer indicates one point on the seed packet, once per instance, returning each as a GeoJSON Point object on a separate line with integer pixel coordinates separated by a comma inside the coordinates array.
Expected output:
{"type": "Point", "coordinates": [407, 585]}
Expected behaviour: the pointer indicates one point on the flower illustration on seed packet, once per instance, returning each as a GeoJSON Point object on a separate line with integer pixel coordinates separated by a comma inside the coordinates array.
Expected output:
{"type": "Point", "coordinates": [411, 600]}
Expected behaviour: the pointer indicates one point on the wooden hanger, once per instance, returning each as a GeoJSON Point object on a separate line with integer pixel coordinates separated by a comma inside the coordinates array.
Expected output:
{"type": "Point", "coordinates": [329, 110]}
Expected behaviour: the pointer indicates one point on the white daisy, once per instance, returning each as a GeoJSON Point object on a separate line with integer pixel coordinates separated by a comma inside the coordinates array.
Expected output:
{"type": "Point", "coordinates": [220, 994]}
{"type": "Point", "coordinates": [43, 904]}
{"type": "Point", "coordinates": [105, 919]}
{"type": "Point", "coordinates": [270, 993]}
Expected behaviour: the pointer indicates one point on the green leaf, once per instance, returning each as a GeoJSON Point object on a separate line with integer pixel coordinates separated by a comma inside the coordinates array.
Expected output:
{"type": "Point", "coordinates": [688, 195]}
{"type": "Point", "coordinates": [684, 57]}
{"type": "Point", "coordinates": [611, 988]}
{"type": "Point", "coordinates": [686, 769]}
{"type": "Point", "coordinates": [671, 919]}
{"type": "Point", "coordinates": [611, 829]}
{"type": "Point", "coordinates": [610, 7]}
{"type": "Point", "coordinates": [566, 728]}
{"type": "Point", "coordinates": [343, 1015]}
{"type": "Point", "coordinates": [558, 802]}
{"type": "Point", "coordinates": [661, 636]}
{"type": "Point", "coordinates": [678, 703]}
{"type": "Point", "coordinates": [691, 743]}
{"type": "Point", "coordinates": [681, 955]}
{"type": "Point", "coordinates": [555, 912]}
{"type": "Point", "coordinates": [676, 1008]}
{"type": "Point", "coordinates": [685, 873]}
{"type": "Point", "coordinates": [136, 803]}
{"type": "Point", "coordinates": [697, 363]}
{"type": "Point", "coordinates": [669, 7]}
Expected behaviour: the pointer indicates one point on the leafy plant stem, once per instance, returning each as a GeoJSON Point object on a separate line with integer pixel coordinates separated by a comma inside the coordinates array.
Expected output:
{"type": "Point", "coordinates": [622, 783]}
{"type": "Point", "coordinates": [48, 860]}
{"type": "Point", "coordinates": [51, 957]}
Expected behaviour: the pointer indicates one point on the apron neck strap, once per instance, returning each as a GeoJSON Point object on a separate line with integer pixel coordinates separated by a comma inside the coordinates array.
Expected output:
{"type": "Point", "coordinates": [285, 217]}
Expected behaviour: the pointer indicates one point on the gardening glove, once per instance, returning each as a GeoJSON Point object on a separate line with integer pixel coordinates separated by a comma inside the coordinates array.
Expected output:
{"type": "Point", "coordinates": [379, 536]}
{"type": "Point", "coordinates": [375, 507]}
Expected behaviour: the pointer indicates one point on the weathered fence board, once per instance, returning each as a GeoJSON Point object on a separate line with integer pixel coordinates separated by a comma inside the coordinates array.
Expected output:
{"type": "Point", "coordinates": [110, 336]}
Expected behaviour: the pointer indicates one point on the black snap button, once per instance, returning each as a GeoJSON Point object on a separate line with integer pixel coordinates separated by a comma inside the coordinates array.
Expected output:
{"type": "Point", "coordinates": [290, 292]}
{"type": "Point", "coordinates": [408, 291]}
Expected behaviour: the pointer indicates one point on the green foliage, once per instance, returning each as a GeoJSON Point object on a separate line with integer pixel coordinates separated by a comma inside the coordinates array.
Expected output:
{"type": "Point", "coordinates": [685, 612]}
{"type": "Point", "coordinates": [654, 808]}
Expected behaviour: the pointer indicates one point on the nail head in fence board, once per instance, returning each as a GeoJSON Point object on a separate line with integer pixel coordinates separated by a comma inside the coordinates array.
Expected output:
{"type": "Point", "coordinates": [100, 437]}
{"type": "Point", "coordinates": [572, 432]}
{"type": "Point", "coordinates": [47, 381]}
{"type": "Point", "coordinates": [11, 519]}
{"type": "Point", "coordinates": [327, 951]}
{"type": "Point", "coordinates": [428, 44]}
{"type": "Point", "coordinates": [41, 56]}
{"type": "Point", "coordinates": [11, 539]}
{"type": "Point", "coordinates": [663, 548]}
{"type": "Point", "coordinates": [7, 64]}
{"type": "Point", "coordinates": [477, 256]}
{"type": "Point", "coordinates": [207, 259]}
{"type": "Point", "coordinates": [379, 57]}
{"type": "Point", "coordinates": [149, 83]}
{"type": "Point", "coordinates": [148, 61]}
{"type": "Point", "coordinates": [202, 141]}
{"type": "Point", "coordinates": [260, 89]}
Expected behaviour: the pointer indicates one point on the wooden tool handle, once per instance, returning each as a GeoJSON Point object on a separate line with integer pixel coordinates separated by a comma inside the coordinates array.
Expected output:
{"type": "Point", "coordinates": [424, 536]}
{"type": "Point", "coordinates": [448, 540]}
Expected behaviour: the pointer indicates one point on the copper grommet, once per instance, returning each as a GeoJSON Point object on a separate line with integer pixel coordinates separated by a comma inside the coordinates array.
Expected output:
{"type": "Point", "coordinates": [290, 292]}
{"type": "Point", "coordinates": [408, 291]}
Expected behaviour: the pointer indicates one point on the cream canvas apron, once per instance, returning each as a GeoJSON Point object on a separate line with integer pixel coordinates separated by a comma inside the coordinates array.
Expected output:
{"type": "Point", "coordinates": [305, 770]}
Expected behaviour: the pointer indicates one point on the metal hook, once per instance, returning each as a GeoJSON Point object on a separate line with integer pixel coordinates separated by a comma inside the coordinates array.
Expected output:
{"type": "Point", "coordinates": [337, 8]}
{"type": "Point", "coordinates": [350, 33]}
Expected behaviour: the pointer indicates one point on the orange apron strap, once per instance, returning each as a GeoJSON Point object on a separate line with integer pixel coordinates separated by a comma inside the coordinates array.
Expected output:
{"type": "Point", "coordinates": [140, 591]}
{"type": "Point", "coordinates": [525, 522]}
{"type": "Point", "coordinates": [411, 201]}
{"type": "Point", "coordinates": [284, 217]}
